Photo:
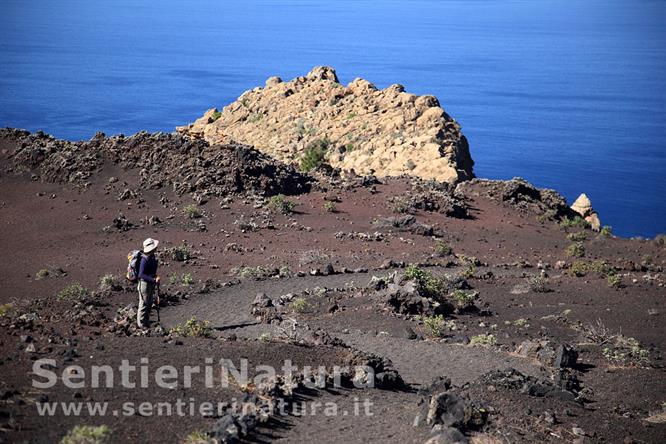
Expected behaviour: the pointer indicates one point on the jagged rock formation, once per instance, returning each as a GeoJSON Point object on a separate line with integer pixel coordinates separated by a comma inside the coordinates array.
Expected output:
{"type": "Point", "coordinates": [583, 206]}
{"type": "Point", "coordinates": [188, 166]}
{"type": "Point", "coordinates": [383, 132]}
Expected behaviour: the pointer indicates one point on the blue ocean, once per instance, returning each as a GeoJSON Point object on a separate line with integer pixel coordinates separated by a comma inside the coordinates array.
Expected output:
{"type": "Point", "coordinates": [568, 94]}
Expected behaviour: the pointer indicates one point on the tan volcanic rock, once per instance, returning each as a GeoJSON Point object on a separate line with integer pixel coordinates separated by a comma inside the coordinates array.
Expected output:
{"type": "Point", "coordinates": [384, 132]}
{"type": "Point", "coordinates": [583, 206]}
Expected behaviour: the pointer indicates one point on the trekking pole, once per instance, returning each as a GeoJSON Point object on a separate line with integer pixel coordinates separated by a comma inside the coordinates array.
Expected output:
{"type": "Point", "coordinates": [158, 304]}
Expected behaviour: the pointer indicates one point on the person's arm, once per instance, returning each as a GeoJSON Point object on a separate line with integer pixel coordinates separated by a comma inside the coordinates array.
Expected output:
{"type": "Point", "coordinates": [142, 267]}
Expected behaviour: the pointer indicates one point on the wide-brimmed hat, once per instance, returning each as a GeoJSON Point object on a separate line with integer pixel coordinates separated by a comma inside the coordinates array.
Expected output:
{"type": "Point", "coordinates": [150, 244]}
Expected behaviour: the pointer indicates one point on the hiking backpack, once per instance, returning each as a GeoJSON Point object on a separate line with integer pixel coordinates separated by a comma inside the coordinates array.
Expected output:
{"type": "Point", "coordinates": [133, 263]}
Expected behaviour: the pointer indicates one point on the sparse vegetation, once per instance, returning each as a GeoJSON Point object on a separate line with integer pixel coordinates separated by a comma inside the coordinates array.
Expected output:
{"type": "Point", "coordinates": [463, 300]}
{"type": "Point", "coordinates": [578, 236]}
{"type": "Point", "coordinates": [547, 216]}
{"type": "Point", "coordinates": [520, 322]}
{"type": "Point", "coordinates": [427, 284]}
{"type": "Point", "coordinates": [575, 250]}
{"type": "Point", "coordinates": [6, 309]}
{"type": "Point", "coordinates": [300, 305]}
{"type": "Point", "coordinates": [314, 155]}
{"type": "Point", "coordinates": [400, 206]}
{"type": "Point", "coordinates": [598, 333]}
{"type": "Point", "coordinates": [109, 282]}
{"type": "Point", "coordinates": [606, 231]}
{"type": "Point", "coordinates": [330, 207]}
{"type": "Point", "coordinates": [186, 279]}
{"type": "Point", "coordinates": [483, 340]}
{"type": "Point", "coordinates": [173, 279]}
{"type": "Point", "coordinates": [579, 268]}
{"type": "Point", "coordinates": [625, 350]}
{"type": "Point", "coordinates": [257, 272]}
{"type": "Point", "coordinates": [442, 248]}
{"type": "Point", "coordinates": [180, 253]}
{"type": "Point", "coordinates": [216, 115]}
{"type": "Point", "coordinates": [437, 326]}
{"type": "Point", "coordinates": [349, 148]}
{"type": "Point", "coordinates": [192, 211]}
{"type": "Point", "coordinates": [198, 438]}
{"type": "Point", "coordinates": [539, 284]}
{"type": "Point", "coordinates": [85, 434]}
{"type": "Point", "coordinates": [280, 204]}
{"type": "Point", "coordinates": [614, 281]}
{"type": "Point", "coordinates": [73, 292]}
{"type": "Point", "coordinates": [265, 337]}
{"type": "Point", "coordinates": [576, 221]}
{"type": "Point", "coordinates": [601, 267]}
{"type": "Point", "coordinates": [647, 260]}
{"type": "Point", "coordinates": [193, 328]}
{"type": "Point", "coordinates": [42, 274]}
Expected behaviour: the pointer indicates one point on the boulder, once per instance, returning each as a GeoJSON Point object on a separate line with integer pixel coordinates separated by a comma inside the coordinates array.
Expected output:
{"type": "Point", "coordinates": [583, 206]}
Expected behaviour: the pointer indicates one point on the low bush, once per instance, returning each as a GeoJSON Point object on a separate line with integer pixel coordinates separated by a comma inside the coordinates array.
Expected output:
{"type": "Point", "coordinates": [437, 326]}
{"type": "Point", "coordinates": [578, 236]}
{"type": "Point", "coordinates": [73, 292]}
{"type": "Point", "coordinates": [624, 350]}
{"type": "Point", "coordinates": [579, 268]}
{"type": "Point", "coordinates": [428, 285]}
{"type": "Point", "coordinates": [576, 221]}
{"type": "Point", "coordinates": [265, 337]}
{"type": "Point", "coordinates": [6, 309]}
{"type": "Point", "coordinates": [193, 328]}
{"type": "Point", "coordinates": [300, 305]}
{"type": "Point", "coordinates": [606, 231]}
{"type": "Point", "coordinates": [314, 155]}
{"type": "Point", "coordinates": [575, 250]}
{"type": "Point", "coordinates": [85, 434]}
{"type": "Point", "coordinates": [463, 300]}
{"type": "Point", "coordinates": [187, 279]}
{"type": "Point", "coordinates": [109, 282]}
{"type": "Point", "coordinates": [483, 340]}
{"type": "Point", "coordinates": [180, 253]}
{"type": "Point", "coordinates": [442, 248]}
{"type": "Point", "coordinates": [280, 204]}
{"type": "Point", "coordinates": [539, 284]}
{"type": "Point", "coordinates": [330, 207]}
{"type": "Point", "coordinates": [191, 211]}
{"type": "Point", "coordinates": [42, 274]}
{"type": "Point", "coordinates": [614, 281]}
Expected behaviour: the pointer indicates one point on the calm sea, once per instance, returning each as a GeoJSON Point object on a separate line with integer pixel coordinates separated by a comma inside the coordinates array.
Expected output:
{"type": "Point", "coordinates": [568, 94]}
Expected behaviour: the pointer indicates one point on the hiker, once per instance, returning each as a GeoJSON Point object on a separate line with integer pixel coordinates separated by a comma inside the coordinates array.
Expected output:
{"type": "Point", "coordinates": [148, 280]}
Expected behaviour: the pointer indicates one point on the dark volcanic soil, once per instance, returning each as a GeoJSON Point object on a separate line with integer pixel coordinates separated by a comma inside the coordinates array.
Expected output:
{"type": "Point", "coordinates": [60, 228]}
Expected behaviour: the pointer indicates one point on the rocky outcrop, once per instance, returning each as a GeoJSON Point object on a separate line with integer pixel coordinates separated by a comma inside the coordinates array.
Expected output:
{"type": "Point", "coordinates": [583, 206]}
{"type": "Point", "coordinates": [161, 160]}
{"type": "Point", "coordinates": [386, 132]}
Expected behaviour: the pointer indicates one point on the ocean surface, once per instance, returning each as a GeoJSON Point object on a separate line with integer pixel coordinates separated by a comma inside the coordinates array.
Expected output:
{"type": "Point", "coordinates": [568, 94]}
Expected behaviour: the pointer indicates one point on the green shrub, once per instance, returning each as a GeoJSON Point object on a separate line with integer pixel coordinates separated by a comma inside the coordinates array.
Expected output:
{"type": "Point", "coordinates": [579, 268]}
{"type": "Point", "coordinates": [181, 253]}
{"type": "Point", "coordinates": [601, 267]}
{"type": "Point", "coordinates": [442, 248]}
{"type": "Point", "coordinates": [606, 231]}
{"type": "Point", "coordinates": [257, 272]}
{"type": "Point", "coordinates": [280, 204]}
{"type": "Point", "coordinates": [400, 206]}
{"type": "Point", "coordinates": [437, 326]}
{"type": "Point", "coordinates": [109, 282]}
{"type": "Point", "coordinates": [216, 115]}
{"type": "Point", "coordinates": [265, 337]}
{"type": "Point", "coordinates": [626, 351]}
{"type": "Point", "coordinates": [576, 221]}
{"type": "Point", "coordinates": [42, 274]}
{"type": "Point", "coordinates": [463, 300]}
{"type": "Point", "coordinates": [539, 284]}
{"type": "Point", "coordinates": [193, 328]}
{"type": "Point", "coordinates": [483, 340]}
{"type": "Point", "coordinates": [73, 292]}
{"type": "Point", "coordinates": [198, 438]}
{"type": "Point", "coordinates": [187, 279]}
{"type": "Point", "coordinates": [521, 322]}
{"type": "Point", "coordinates": [173, 279]}
{"type": "Point", "coordinates": [6, 309]}
{"type": "Point", "coordinates": [614, 281]}
{"type": "Point", "coordinates": [85, 434]}
{"type": "Point", "coordinates": [647, 260]}
{"type": "Point", "coordinates": [191, 211]}
{"type": "Point", "coordinates": [300, 305]}
{"type": "Point", "coordinates": [330, 207]}
{"type": "Point", "coordinates": [578, 236]}
{"type": "Point", "coordinates": [314, 155]}
{"type": "Point", "coordinates": [428, 285]}
{"type": "Point", "coordinates": [575, 250]}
